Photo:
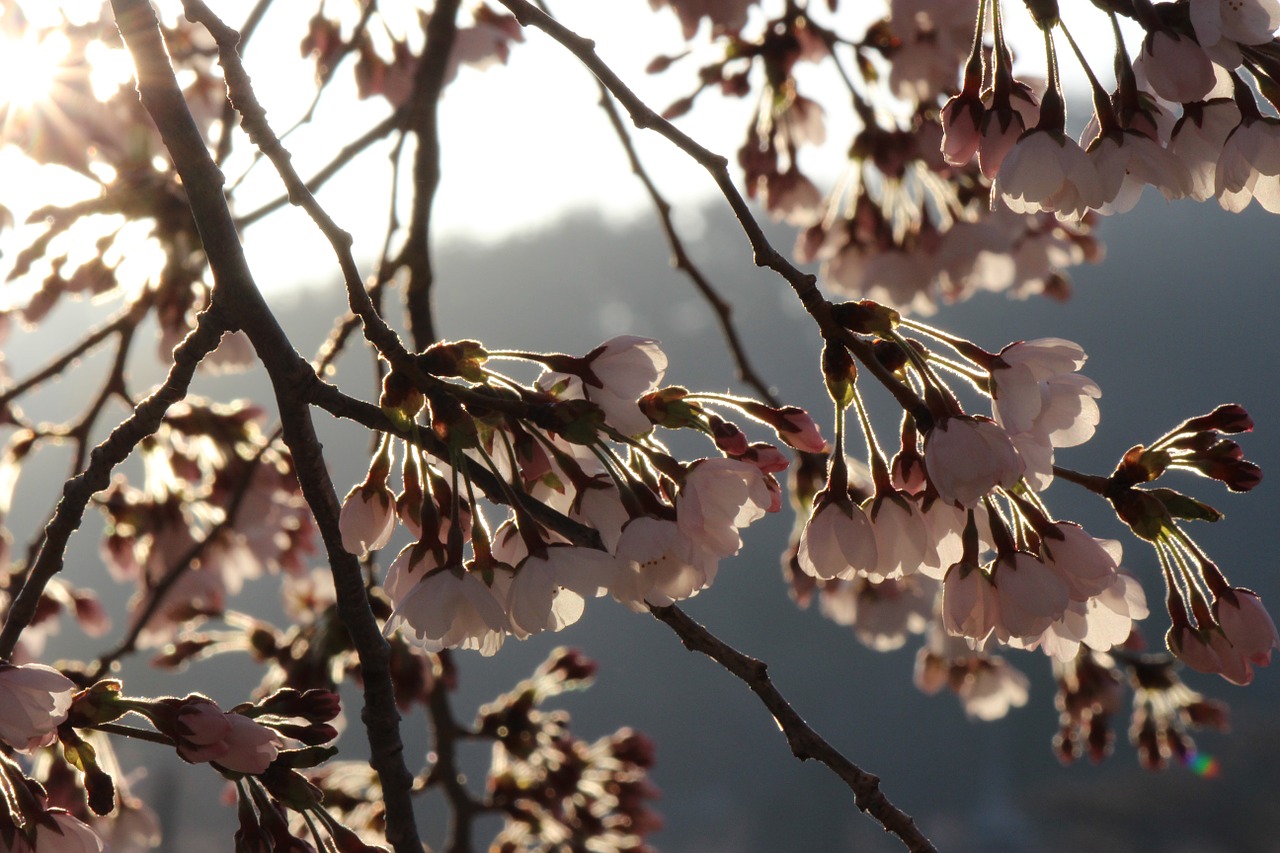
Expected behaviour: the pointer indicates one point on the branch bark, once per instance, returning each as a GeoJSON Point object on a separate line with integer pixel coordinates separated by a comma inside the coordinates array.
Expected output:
{"type": "Point", "coordinates": [236, 297]}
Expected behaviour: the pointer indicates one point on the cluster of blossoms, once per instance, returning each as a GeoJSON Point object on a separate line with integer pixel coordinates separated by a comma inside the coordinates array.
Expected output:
{"type": "Point", "coordinates": [909, 221]}
{"type": "Point", "coordinates": [579, 444]}
{"type": "Point", "coordinates": [43, 707]}
{"type": "Point", "coordinates": [950, 538]}
{"type": "Point", "coordinates": [956, 188]}
{"type": "Point", "coordinates": [555, 789]}
{"type": "Point", "coordinates": [218, 506]}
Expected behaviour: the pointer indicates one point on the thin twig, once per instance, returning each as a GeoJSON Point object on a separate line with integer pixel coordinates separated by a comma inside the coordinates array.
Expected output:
{"type": "Point", "coordinates": [348, 153]}
{"type": "Point", "coordinates": [428, 82]}
{"type": "Point", "coordinates": [805, 743]}
{"type": "Point", "coordinates": [722, 308]}
{"type": "Point", "coordinates": [764, 254]}
{"type": "Point", "coordinates": [97, 476]}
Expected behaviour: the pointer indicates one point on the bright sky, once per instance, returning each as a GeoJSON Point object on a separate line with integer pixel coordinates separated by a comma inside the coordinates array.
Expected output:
{"type": "Point", "coordinates": [521, 143]}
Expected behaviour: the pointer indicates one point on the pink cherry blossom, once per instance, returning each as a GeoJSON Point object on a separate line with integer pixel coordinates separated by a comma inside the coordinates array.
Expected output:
{"type": "Point", "coordinates": [1045, 170]}
{"type": "Point", "coordinates": [1128, 161]}
{"type": "Point", "coordinates": [452, 608]}
{"type": "Point", "coordinates": [659, 565]}
{"type": "Point", "coordinates": [991, 689]}
{"type": "Point", "coordinates": [837, 541]}
{"type": "Point", "coordinates": [967, 457]}
{"type": "Point", "coordinates": [970, 606]}
{"type": "Point", "coordinates": [1085, 564]}
{"type": "Point", "coordinates": [1197, 141]}
{"type": "Point", "coordinates": [1031, 595]}
{"type": "Point", "coordinates": [1176, 67]}
{"type": "Point", "coordinates": [614, 376]}
{"type": "Point", "coordinates": [882, 614]}
{"type": "Point", "coordinates": [797, 428]}
{"type": "Point", "coordinates": [719, 497]}
{"type": "Point", "coordinates": [34, 700]}
{"type": "Point", "coordinates": [201, 730]}
{"type": "Point", "coordinates": [548, 592]}
{"type": "Point", "coordinates": [904, 540]}
{"type": "Point", "coordinates": [410, 566]}
{"type": "Point", "coordinates": [961, 117]}
{"type": "Point", "coordinates": [1241, 21]}
{"type": "Point", "coordinates": [1250, 157]}
{"type": "Point", "coordinates": [64, 833]}
{"type": "Point", "coordinates": [251, 746]}
{"type": "Point", "coordinates": [1035, 388]}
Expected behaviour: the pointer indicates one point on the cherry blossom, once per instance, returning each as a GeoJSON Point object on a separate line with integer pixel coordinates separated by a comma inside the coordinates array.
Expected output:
{"type": "Point", "coordinates": [1247, 625]}
{"type": "Point", "coordinates": [452, 608]}
{"type": "Point", "coordinates": [613, 376]}
{"type": "Point", "coordinates": [719, 497]}
{"type": "Point", "coordinates": [838, 540]}
{"type": "Point", "coordinates": [205, 733]}
{"type": "Point", "coordinates": [65, 833]}
{"type": "Point", "coordinates": [967, 457]}
{"type": "Point", "coordinates": [1197, 141]}
{"type": "Point", "coordinates": [882, 614]}
{"type": "Point", "coordinates": [1088, 566]}
{"type": "Point", "coordinates": [1176, 67]}
{"type": "Point", "coordinates": [659, 565]}
{"type": "Point", "coordinates": [1241, 21]}
{"type": "Point", "coordinates": [1031, 596]}
{"type": "Point", "coordinates": [548, 592]}
{"type": "Point", "coordinates": [1046, 170]}
{"type": "Point", "coordinates": [1249, 164]}
{"type": "Point", "coordinates": [34, 700]}
{"type": "Point", "coordinates": [970, 606]}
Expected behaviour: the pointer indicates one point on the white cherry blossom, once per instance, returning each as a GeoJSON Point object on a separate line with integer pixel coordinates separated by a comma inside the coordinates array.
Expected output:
{"type": "Point", "coordinates": [837, 541]}
{"type": "Point", "coordinates": [967, 457]}
{"type": "Point", "coordinates": [1031, 595]}
{"type": "Point", "coordinates": [1048, 171]}
{"type": "Point", "coordinates": [719, 497]}
{"type": "Point", "coordinates": [1176, 67]}
{"type": "Point", "coordinates": [34, 700]}
{"type": "Point", "coordinates": [452, 609]}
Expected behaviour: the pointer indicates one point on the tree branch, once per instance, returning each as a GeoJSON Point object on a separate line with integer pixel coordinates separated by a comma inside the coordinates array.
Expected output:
{"type": "Point", "coordinates": [805, 743]}
{"type": "Point", "coordinates": [237, 294]}
{"type": "Point", "coordinates": [424, 121]}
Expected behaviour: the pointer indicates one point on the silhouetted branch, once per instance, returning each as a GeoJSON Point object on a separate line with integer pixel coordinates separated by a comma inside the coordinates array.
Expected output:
{"type": "Point", "coordinates": [236, 296]}
{"type": "Point", "coordinates": [428, 81]}
{"type": "Point", "coordinates": [765, 255]}
{"type": "Point", "coordinates": [805, 743]}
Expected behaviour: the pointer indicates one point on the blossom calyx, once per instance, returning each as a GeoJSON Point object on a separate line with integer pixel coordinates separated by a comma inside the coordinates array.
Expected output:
{"type": "Point", "coordinates": [454, 358]}
{"type": "Point", "coordinates": [866, 317]}
{"type": "Point", "coordinates": [667, 407]}
{"type": "Point", "coordinates": [97, 704]}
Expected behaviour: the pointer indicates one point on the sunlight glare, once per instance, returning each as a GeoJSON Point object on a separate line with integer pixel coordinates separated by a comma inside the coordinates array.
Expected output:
{"type": "Point", "coordinates": [29, 66]}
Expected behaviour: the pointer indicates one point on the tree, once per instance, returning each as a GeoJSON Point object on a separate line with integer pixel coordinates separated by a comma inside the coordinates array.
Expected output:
{"type": "Point", "coordinates": [942, 530]}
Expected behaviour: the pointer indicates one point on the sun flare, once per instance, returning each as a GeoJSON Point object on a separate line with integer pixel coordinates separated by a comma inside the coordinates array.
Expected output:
{"type": "Point", "coordinates": [29, 67]}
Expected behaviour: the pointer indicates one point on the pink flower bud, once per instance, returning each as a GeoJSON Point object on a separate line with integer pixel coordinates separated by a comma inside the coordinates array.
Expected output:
{"type": "Point", "coordinates": [1247, 624]}
{"type": "Point", "coordinates": [367, 520]}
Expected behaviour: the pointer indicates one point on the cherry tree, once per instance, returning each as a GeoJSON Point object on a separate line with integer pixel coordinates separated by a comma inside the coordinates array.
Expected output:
{"type": "Point", "coordinates": [523, 487]}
